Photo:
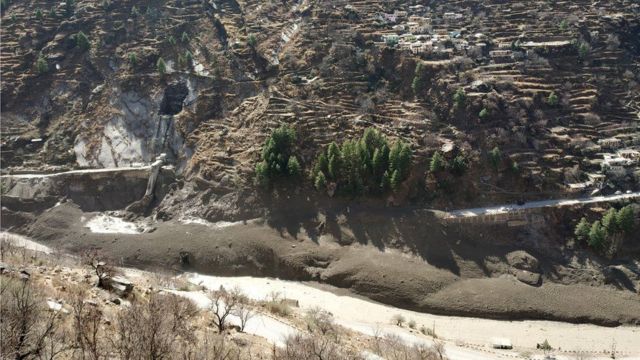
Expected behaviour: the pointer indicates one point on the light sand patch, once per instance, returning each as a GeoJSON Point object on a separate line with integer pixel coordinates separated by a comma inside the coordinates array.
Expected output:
{"type": "Point", "coordinates": [23, 242]}
{"type": "Point", "coordinates": [367, 316]}
{"type": "Point", "coordinates": [107, 224]}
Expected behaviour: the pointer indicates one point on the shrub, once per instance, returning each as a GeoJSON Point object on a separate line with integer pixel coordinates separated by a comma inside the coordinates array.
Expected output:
{"type": "Point", "coordinates": [252, 41]}
{"type": "Point", "coordinates": [515, 167]}
{"type": "Point", "coordinates": [279, 308]}
{"type": "Point", "coordinates": [161, 66]}
{"type": "Point", "coordinates": [564, 25]}
{"type": "Point", "coordinates": [459, 98]}
{"type": "Point", "coordinates": [459, 165]}
{"type": "Point", "coordinates": [391, 42]}
{"type": "Point", "coordinates": [484, 114]}
{"type": "Point", "coordinates": [495, 157]}
{"type": "Point", "coordinates": [82, 41]}
{"type": "Point", "coordinates": [552, 100]}
{"type": "Point", "coordinates": [412, 324]}
{"type": "Point", "coordinates": [583, 50]}
{"type": "Point", "coordinates": [133, 59]}
{"type": "Point", "coordinates": [319, 321]}
{"type": "Point", "coordinates": [398, 319]}
{"type": "Point", "coordinates": [134, 11]}
{"type": "Point", "coordinates": [41, 65]}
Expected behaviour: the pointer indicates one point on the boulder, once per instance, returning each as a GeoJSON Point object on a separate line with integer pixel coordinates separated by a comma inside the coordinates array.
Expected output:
{"type": "Point", "coordinates": [522, 260]}
{"type": "Point", "coordinates": [529, 278]}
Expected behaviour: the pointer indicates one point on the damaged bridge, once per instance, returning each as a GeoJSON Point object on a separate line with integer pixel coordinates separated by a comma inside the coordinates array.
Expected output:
{"type": "Point", "coordinates": [91, 189]}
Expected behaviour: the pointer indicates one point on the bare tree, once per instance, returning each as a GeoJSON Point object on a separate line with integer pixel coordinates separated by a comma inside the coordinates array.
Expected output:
{"type": "Point", "coordinates": [155, 328]}
{"type": "Point", "coordinates": [300, 347]}
{"type": "Point", "coordinates": [223, 304]}
{"type": "Point", "coordinates": [320, 321]}
{"type": "Point", "coordinates": [214, 347]}
{"type": "Point", "coordinates": [245, 312]}
{"type": "Point", "coordinates": [99, 266]}
{"type": "Point", "coordinates": [391, 347]}
{"type": "Point", "coordinates": [25, 323]}
{"type": "Point", "coordinates": [87, 319]}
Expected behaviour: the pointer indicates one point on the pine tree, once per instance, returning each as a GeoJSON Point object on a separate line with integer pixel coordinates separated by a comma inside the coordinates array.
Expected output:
{"type": "Point", "coordinates": [185, 37]}
{"type": "Point", "coordinates": [41, 65]}
{"type": "Point", "coordinates": [597, 235]}
{"type": "Point", "coordinates": [293, 167]}
{"type": "Point", "coordinates": [418, 83]}
{"type": "Point", "coordinates": [404, 160]}
{"type": "Point", "coordinates": [437, 162]}
{"type": "Point", "coordinates": [320, 181]}
{"type": "Point", "coordinates": [161, 66]}
{"type": "Point", "coordinates": [321, 165]}
{"type": "Point", "coordinates": [625, 220]}
{"type": "Point", "coordinates": [609, 221]}
{"type": "Point", "coordinates": [334, 156]}
{"type": "Point", "coordinates": [582, 229]}
{"type": "Point", "coordinates": [82, 41]}
{"type": "Point", "coordinates": [385, 182]}
{"type": "Point", "coordinates": [394, 156]}
{"type": "Point", "coordinates": [395, 180]}
{"type": "Point", "coordinates": [552, 99]}
{"type": "Point", "coordinates": [38, 14]}
{"type": "Point", "coordinates": [70, 7]}
{"type": "Point", "coordinates": [262, 173]}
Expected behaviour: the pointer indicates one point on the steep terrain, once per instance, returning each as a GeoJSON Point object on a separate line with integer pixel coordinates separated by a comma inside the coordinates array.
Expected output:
{"type": "Point", "coordinates": [539, 99]}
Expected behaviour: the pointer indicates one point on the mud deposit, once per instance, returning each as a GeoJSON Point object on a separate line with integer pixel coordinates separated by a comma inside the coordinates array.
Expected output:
{"type": "Point", "coordinates": [451, 275]}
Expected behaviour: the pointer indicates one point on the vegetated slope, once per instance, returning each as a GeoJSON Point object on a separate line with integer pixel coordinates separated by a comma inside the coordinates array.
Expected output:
{"type": "Point", "coordinates": [545, 83]}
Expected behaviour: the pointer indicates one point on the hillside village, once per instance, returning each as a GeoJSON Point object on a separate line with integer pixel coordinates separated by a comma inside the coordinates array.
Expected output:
{"type": "Point", "coordinates": [560, 93]}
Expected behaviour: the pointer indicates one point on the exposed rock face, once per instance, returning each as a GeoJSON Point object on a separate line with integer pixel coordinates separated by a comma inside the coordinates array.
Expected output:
{"type": "Point", "coordinates": [140, 128]}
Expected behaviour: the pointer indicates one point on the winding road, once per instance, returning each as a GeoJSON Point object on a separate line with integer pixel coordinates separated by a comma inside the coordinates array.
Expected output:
{"type": "Point", "coordinates": [503, 209]}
